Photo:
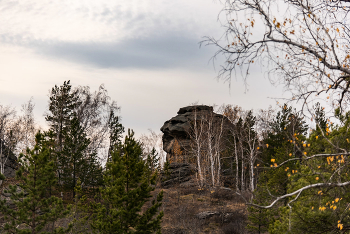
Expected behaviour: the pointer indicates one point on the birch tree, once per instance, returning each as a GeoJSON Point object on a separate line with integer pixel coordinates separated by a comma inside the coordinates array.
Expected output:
{"type": "Point", "coordinates": [207, 136]}
{"type": "Point", "coordinates": [153, 141]}
{"type": "Point", "coordinates": [245, 143]}
{"type": "Point", "coordinates": [197, 134]}
{"type": "Point", "coordinates": [303, 44]}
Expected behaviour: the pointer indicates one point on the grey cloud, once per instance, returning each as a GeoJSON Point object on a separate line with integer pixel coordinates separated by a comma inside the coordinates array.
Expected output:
{"type": "Point", "coordinates": [149, 53]}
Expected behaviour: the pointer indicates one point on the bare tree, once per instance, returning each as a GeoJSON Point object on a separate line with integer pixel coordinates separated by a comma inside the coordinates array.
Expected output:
{"type": "Point", "coordinates": [246, 134]}
{"type": "Point", "coordinates": [28, 127]}
{"type": "Point", "coordinates": [197, 133]}
{"type": "Point", "coordinates": [153, 141]}
{"type": "Point", "coordinates": [7, 119]}
{"type": "Point", "coordinates": [94, 115]}
{"type": "Point", "coordinates": [207, 137]}
{"type": "Point", "coordinates": [303, 44]}
{"type": "Point", "coordinates": [17, 133]}
{"type": "Point", "coordinates": [214, 129]}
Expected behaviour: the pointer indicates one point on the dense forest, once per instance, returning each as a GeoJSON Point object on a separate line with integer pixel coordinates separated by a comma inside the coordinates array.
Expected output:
{"type": "Point", "coordinates": [81, 167]}
{"type": "Point", "coordinates": [292, 175]}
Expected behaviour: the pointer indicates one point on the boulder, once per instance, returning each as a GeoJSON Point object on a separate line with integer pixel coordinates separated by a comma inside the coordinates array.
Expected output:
{"type": "Point", "coordinates": [207, 214]}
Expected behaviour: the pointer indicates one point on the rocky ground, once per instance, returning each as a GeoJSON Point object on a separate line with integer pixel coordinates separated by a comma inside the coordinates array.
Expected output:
{"type": "Point", "coordinates": [189, 210]}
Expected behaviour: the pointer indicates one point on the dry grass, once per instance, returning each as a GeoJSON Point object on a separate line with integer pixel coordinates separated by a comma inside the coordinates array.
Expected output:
{"type": "Point", "coordinates": [181, 205]}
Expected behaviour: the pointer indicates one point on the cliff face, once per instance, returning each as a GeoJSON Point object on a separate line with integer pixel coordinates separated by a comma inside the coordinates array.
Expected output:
{"type": "Point", "coordinates": [177, 130]}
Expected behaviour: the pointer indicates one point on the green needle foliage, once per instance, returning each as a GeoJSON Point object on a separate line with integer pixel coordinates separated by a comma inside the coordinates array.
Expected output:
{"type": "Point", "coordinates": [116, 129]}
{"type": "Point", "coordinates": [63, 101]}
{"type": "Point", "coordinates": [31, 206]}
{"type": "Point", "coordinates": [126, 191]}
{"type": "Point", "coordinates": [76, 161]}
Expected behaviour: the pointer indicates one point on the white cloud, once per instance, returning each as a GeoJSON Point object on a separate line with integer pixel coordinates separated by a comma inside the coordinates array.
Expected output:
{"type": "Point", "coordinates": [103, 20]}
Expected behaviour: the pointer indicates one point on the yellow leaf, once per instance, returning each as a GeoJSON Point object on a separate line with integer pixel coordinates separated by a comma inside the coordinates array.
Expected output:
{"type": "Point", "coordinates": [267, 145]}
{"type": "Point", "coordinates": [258, 148]}
{"type": "Point", "coordinates": [334, 207]}
{"type": "Point", "coordinates": [305, 153]}
{"type": "Point", "coordinates": [273, 160]}
{"type": "Point", "coordinates": [304, 145]}
{"type": "Point", "coordinates": [337, 199]}
{"type": "Point", "coordinates": [278, 25]}
{"type": "Point", "coordinates": [340, 226]}
{"type": "Point", "coordinates": [316, 178]}
{"type": "Point", "coordinates": [290, 154]}
{"type": "Point", "coordinates": [316, 137]}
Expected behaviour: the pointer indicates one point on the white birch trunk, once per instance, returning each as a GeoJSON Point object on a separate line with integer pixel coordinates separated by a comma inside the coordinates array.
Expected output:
{"type": "Point", "coordinates": [237, 168]}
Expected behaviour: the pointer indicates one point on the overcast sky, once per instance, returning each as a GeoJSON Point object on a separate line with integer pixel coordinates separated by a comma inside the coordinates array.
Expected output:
{"type": "Point", "coordinates": [146, 53]}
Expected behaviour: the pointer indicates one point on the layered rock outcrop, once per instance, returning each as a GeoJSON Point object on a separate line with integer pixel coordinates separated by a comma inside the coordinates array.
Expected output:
{"type": "Point", "coordinates": [179, 141]}
{"type": "Point", "coordinates": [179, 173]}
{"type": "Point", "coordinates": [177, 130]}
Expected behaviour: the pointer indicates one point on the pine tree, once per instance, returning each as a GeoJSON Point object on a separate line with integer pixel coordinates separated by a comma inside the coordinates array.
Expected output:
{"type": "Point", "coordinates": [116, 129]}
{"type": "Point", "coordinates": [62, 105]}
{"type": "Point", "coordinates": [63, 102]}
{"type": "Point", "coordinates": [153, 161]}
{"type": "Point", "coordinates": [35, 208]}
{"type": "Point", "coordinates": [126, 191]}
{"type": "Point", "coordinates": [75, 161]}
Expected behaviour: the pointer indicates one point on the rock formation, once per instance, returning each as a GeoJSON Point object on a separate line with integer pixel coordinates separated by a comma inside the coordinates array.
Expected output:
{"type": "Point", "coordinates": [178, 141]}
{"type": "Point", "coordinates": [180, 173]}
{"type": "Point", "coordinates": [176, 138]}
{"type": "Point", "coordinates": [11, 161]}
